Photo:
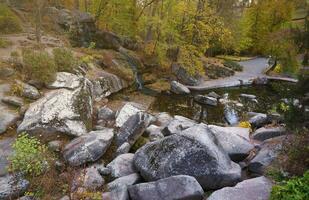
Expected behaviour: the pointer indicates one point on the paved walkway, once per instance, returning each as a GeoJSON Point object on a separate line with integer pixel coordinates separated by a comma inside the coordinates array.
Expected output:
{"type": "Point", "coordinates": [251, 70]}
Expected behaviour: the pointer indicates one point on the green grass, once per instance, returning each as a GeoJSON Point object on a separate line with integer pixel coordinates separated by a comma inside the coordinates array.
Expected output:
{"type": "Point", "coordinates": [9, 22]}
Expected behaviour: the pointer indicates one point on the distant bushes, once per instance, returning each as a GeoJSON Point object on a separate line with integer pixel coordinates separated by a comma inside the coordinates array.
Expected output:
{"type": "Point", "coordinates": [233, 65]}
{"type": "Point", "coordinates": [64, 59]}
{"type": "Point", "coordinates": [38, 66]}
{"type": "Point", "coordinates": [9, 23]}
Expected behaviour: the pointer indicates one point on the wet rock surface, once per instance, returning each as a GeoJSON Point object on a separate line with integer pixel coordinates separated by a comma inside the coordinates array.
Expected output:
{"type": "Point", "coordinates": [12, 187]}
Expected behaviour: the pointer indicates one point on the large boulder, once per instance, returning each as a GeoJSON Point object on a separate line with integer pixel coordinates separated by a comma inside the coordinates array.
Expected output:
{"type": "Point", "coordinates": [211, 101]}
{"type": "Point", "coordinates": [7, 118]}
{"type": "Point", "coordinates": [253, 189]}
{"type": "Point", "coordinates": [122, 165]}
{"type": "Point", "coordinates": [179, 88]}
{"type": "Point", "coordinates": [12, 187]}
{"type": "Point", "coordinates": [63, 110]}
{"type": "Point", "coordinates": [124, 181]}
{"type": "Point", "coordinates": [105, 84]}
{"type": "Point", "coordinates": [65, 80]}
{"type": "Point", "coordinates": [194, 152]}
{"type": "Point", "coordinates": [6, 151]}
{"type": "Point", "coordinates": [259, 120]}
{"type": "Point", "coordinates": [268, 152]}
{"type": "Point", "coordinates": [179, 187]}
{"type": "Point", "coordinates": [183, 76]}
{"type": "Point", "coordinates": [235, 145]}
{"type": "Point", "coordinates": [107, 40]}
{"type": "Point", "coordinates": [88, 148]}
{"type": "Point", "coordinates": [88, 178]}
{"type": "Point", "coordinates": [262, 134]}
{"type": "Point", "coordinates": [133, 128]}
{"type": "Point", "coordinates": [178, 124]}
{"type": "Point", "coordinates": [28, 91]}
{"type": "Point", "coordinates": [128, 110]}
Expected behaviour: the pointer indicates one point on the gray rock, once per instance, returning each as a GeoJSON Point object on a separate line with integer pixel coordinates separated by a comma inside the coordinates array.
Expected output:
{"type": "Point", "coordinates": [206, 100]}
{"type": "Point", "coordinates": [65, 198]}
{"type": "Point", "coordinates": [163, 119]}
{"type": "Point", "coordinates": [235, 145]}
{"type": "Point", "coordinates": [262, 134]}
{"type": "Point", "coordinates": [12, 187]}
{"type": "Point", "coordinates": [105, 84]}
{"type": "Point", "coordinates": [13, 101]}
{"type": "Point", "coordinates": [119, 193]}
{"type": "Point", "coordinates": [183, 76]}
{"type": "Point", "coordinates": [179, 88]}
{"type": "Point", "coordinates": [177, 125]}
{"type": "Point", "coordinates": [253, 189]}
{"type": "Point", "coordinates": [230, 115]}
{"type": "Point", "coordinates": [124, 181]}
{"type": "Point", "coordinates": [106, 114]}
{"type": "Point", "coordinates": [6, 72]}
{"type": "Point", "coordinates": [269, 150]}
{"type": "Point", "coordinates": [88, 178]}
{"type": "Point", "coordinates": [6, 151]}
{"type": "Point", "coordinates": [7, 119]}
{"type": "Point", "coordinates": [179, 187]}
{"type": "Point", "coordinates": [133, 128]}
{"type": "Point", "coordinates": [104, 171]}
{"type": "Point", "coordinates": [29, 91]}
{"type": "Point", "coordinates": [124, 148]}
{"type": "Point", "coordinates": [65, 80]}
{"type": "Point", "coordinates": [88, 148]}
{"type": "Point", "coordinates": [63, 110]}
{"type": "Point", "coordinates": [27, 198]}
{"type": "Point", "coordinates": [128, 110]}
{"type": "Point", "coordinates": [55, 145]}
{"type": "Point", "coordinates": [259, 120]}
{"type": "Point", "coordinates": [214, 95]}
{"type": "Point", "coordinates": [156, 135]}
{"type": "Point", "coordinates": [122, 165]}
{"type": "Point", "coordinates": [248, 96]}
{"type": "Point", "coordinates": [194, 152]}
{"type": "Point", "coordinates": [260, 81]}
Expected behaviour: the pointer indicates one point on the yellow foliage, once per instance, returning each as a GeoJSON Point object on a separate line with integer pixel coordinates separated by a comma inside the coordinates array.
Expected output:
{"type": "Point", "coordinates": [245, 124]}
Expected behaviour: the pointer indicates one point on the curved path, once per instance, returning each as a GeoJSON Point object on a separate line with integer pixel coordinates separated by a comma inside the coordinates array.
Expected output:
{"type": "Point", "coordinates": [252, 69]}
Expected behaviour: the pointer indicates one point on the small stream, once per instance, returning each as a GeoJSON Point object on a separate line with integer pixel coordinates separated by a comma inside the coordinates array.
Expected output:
{"type": "Point", "coordinates": [267, 98]}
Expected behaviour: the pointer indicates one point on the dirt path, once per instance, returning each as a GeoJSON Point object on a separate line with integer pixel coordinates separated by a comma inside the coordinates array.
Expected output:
{"type": "Point", "coordinates": [253, 69]}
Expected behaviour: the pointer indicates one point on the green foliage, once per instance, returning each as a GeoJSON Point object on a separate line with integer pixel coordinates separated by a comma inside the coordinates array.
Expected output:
{"type": "Point", "coordinates": [64, 59]}
{"type": "Point", "coordinates": [38, 66]}
{"type": "Point", "coordinates": [293, 189]}
{"type": "Point", "coordinates": [29, 156]}
{"type": "Point", "coordinates": [190, 59]}
{"type": "Point", "coordinates": [4, 43]}
{"type": "Point", "coordinates": [233, 65]}
{"type": "Point", "coordinates": [9, 23]}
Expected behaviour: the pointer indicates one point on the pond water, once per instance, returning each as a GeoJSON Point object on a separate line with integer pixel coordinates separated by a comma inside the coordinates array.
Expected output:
{"type": "Point", "coordinates": [267, 98]}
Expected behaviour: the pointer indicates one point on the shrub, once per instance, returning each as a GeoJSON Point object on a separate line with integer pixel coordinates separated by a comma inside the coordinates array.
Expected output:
{"type": "Point", "coordinates": [64, 59]}
{"type": "Point", "coordinates": [9, 23]}
{"type": "Point", "coordinates": [245, 124]}
{"type": "Point", "coordinates": [38, 66]}
{"type": "Point", "coordinates": [4, 43]}
{"type": "Point", "coordinates": [16, 89]}
{"type": "Point", "coordinates": [293, 189]}
{"type": "Point", "coordinates": [29, 157]}
{"type": "Point", "coordinates": [232, 65]}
